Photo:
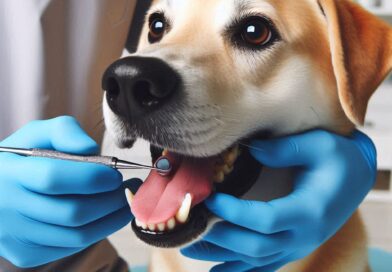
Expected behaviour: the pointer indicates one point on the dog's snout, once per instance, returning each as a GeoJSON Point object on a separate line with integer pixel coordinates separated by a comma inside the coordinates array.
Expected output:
{"type": "Point", "coordinates": [137, 85]}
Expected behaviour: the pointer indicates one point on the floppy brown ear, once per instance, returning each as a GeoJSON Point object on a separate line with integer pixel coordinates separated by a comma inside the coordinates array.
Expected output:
{"type": "Point", "coordinates": [361, 48]}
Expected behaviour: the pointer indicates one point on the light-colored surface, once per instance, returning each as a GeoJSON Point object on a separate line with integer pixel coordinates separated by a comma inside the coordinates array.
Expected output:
{"type": "Point", "coordinates": [379, 123]}
{"type": "Point", "coordinates": [379, 128]}
{"type": "Point", "coordinates": [378, 220]}
{"type": "Point", "coordinates": [377, 216]}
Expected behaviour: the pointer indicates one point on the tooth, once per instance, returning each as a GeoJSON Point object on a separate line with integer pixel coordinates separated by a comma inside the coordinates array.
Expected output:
{"type": "Point", "coordinates": [129, 196]}
{"type": "Point", "coordinates": [227, 169]}
{"type": "Point", "coordinates": [152, 227]}
{"type": "Point", "coordinates": [165, 152]}
{"type": "Point", "coordinates": [161, 226]}
{"type": "Point", "coordinates": [171, 224]}
{"type": "Point", "coordinates": [183, 212]}
{"type": "Point", "coordinates": [219, 177]}
{"type": "Point", "coordinates": [140, 224]}
{"type": "Point", "coordinates": [230, 157]}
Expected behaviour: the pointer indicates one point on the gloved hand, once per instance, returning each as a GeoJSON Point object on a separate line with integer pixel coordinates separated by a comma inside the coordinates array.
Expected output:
{"type": "Point", "coordinates": [50, 209]}
{"type": "Point", "coordinates": [333, 176]}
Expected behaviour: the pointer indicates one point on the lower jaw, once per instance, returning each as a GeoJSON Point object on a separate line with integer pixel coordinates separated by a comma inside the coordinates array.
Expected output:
{"type": "Point", "coordinates": [241, 179]}
{"type": "Point", "coordinates": [197, 224]}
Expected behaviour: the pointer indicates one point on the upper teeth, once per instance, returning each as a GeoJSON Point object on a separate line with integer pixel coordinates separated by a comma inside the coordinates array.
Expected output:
{"type": "Point", "coordinates": [230, 156]}
{"type": "Point", "coordinates": [226, 166]}
{"type": "Point", "coordinates": [181, 217]}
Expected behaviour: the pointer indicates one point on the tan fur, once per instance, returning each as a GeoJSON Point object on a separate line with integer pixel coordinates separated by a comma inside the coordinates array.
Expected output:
{"type": "Point", "coordinates": [343, 55]}
{"type": "Point", "coordinates": [311, 40]}
{"type": "Point", "coordinates": [361, 54]}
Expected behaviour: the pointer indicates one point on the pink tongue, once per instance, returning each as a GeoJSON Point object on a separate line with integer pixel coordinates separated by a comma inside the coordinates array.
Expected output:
{"type": "Point", "coordinates": [159, 198]}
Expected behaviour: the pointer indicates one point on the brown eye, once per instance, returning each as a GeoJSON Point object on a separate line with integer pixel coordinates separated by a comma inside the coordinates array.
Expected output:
{"type": "Point", "coordinates": [256, 32]}
{"type": "Point", "coordinates": [158, 27]}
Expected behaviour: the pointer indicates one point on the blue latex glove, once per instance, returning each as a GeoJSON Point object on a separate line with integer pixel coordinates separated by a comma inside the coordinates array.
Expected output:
{"type": "Point", "coordinates": [50, 209]}
{"type": "Point", "coordinates": [333, 176]}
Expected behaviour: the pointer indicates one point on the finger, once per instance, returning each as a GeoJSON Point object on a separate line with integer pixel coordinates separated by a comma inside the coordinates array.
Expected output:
{"type": "Point", "coordinates": [205, 251]}
{"type": "Point", "coordinates": [55, 177]}
{"type": "Point", "coordinates": [297, 150]}
{"type": "Point", "coordinates": [69, 210]}
{"type": "Point", "coordinates": [231, 267]}
{"type": "Point", "coordinates": [367, 147]}
{"type": "Point", "coordinates": [56, 236]}
{"type": "Point", "coordinates": [62, 133]}
{"type": "Point", "coordinates": [264, 217]}
{"type": "Point", "coordinates": [247, 242]}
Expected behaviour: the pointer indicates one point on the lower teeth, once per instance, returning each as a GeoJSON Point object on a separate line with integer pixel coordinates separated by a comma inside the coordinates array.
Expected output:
{"type": "Point", "coordinates": [181, 217]}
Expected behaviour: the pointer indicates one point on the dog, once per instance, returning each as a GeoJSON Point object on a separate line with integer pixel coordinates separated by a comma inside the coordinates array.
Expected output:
{"type": "Point", "coordinates": [210, 75]}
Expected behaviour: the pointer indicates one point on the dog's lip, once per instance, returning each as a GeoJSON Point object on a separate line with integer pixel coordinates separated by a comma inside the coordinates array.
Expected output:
{"type": "Point", "coordinates": [193, 228]}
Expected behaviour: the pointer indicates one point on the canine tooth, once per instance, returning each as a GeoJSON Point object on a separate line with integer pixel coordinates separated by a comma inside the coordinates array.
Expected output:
{"type": "Point", "coordinates": [183, 212]}
{"type": "Point", "coordinates": [152, 227]}
{"type": "Point", "coordinates": [219, 177]}
{"type": "Point", "coordinates": [161, 226]}
{"type": "Point", "coordinates": [129, 195]}
{"type": "Point", "coordinates": [171, 224]}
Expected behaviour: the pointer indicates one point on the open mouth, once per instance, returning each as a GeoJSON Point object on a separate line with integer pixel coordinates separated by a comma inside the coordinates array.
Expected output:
{"type": "Point", "coordinates": [169, 210]}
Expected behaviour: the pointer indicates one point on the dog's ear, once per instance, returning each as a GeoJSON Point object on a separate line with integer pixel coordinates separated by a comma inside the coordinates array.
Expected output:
{"type": "Point", "coordinates": [361, 49]}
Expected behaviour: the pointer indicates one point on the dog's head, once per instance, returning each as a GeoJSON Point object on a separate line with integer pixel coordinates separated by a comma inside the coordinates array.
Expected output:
{"type": "Point", "coordinates": [211, 74]}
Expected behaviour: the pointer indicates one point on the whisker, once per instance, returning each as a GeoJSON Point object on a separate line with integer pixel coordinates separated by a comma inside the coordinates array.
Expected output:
{"type": "Point", "coordinates": [250, 146]}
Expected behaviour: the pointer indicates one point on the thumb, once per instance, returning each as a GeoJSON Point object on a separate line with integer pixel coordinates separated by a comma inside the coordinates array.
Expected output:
{"type": "Point", "coordinates": [62, 134]}
{"type": "Point", "coordinates": [298, 150]}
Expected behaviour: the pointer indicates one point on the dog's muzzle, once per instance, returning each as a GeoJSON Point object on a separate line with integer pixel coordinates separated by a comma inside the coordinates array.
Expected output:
{"type": "Point", "coordinates": [136, 86]}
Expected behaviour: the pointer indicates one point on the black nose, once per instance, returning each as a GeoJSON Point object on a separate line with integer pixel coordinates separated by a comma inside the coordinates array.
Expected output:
{"type": "Point", "coordinates": [136, 86]}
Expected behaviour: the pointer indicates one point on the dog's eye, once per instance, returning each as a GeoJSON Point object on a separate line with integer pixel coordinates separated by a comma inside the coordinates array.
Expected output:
{"type": "Point", "coordinates": [256, 32]}
{"type": "Point", "coordinates": [158, 27]}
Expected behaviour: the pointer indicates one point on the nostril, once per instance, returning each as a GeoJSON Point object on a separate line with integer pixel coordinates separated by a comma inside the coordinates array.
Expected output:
{"type": "Point", "coordinates": [112, 87]}
{"type": "Point", "coordinates": [143, 93]}
{"type": "Point", "coordinates": [112, 91]}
